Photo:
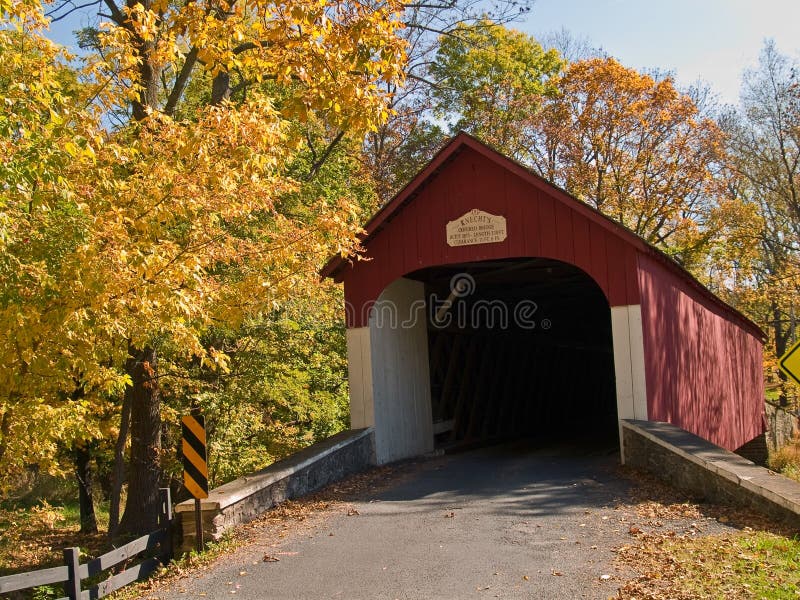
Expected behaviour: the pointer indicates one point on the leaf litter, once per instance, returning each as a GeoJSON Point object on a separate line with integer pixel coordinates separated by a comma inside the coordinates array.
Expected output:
{"type": "Point", "coordinates": [707, 557]}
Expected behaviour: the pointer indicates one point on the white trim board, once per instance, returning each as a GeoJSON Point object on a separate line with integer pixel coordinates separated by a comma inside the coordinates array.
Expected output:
{"type": "Point", "coordinates": [629, 370]}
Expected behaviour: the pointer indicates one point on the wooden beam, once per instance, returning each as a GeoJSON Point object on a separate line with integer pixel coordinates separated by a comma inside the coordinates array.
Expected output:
{"type": "Point", "coordinates": [464, 387]}
{"type": "Point", "coordinates": [451, 380]}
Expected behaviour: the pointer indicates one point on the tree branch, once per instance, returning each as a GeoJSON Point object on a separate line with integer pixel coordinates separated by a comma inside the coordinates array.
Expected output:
{"type": "Point", "coordinates": [321, 160]}
{"type": "Point", "coordinates": [116, 14]}
{"type": "Point", "coordinates": [53, 19]}
{"type": "Point", "coordinates": [181, 82]}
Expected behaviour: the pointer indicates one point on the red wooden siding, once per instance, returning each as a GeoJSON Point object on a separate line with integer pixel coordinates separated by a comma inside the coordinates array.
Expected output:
{"type": "Point", "coordinates": [703, 369]}
{"type": "Point", "coordinates": [542, 222]}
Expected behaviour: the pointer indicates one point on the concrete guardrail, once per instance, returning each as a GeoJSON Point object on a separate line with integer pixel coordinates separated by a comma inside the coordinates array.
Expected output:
{"type": "Point", "coordinates": [709, 472]}
{"type": "Point", "coordinates": [244, 499]}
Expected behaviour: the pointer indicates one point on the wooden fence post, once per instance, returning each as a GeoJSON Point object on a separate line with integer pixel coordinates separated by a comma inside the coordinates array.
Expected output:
{"type": "Point", "coordinates": [72, 586]}
{"type": "Point", "coordinates": [165, 523]}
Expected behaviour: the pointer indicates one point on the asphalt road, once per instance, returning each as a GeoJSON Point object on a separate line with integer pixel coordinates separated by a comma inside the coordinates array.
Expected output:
{"type": "Point", "coordinates": [504, 522]}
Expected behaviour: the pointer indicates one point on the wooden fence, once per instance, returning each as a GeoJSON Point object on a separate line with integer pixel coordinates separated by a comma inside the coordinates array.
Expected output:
{"type": "Point", "coordinates": [72, 573]}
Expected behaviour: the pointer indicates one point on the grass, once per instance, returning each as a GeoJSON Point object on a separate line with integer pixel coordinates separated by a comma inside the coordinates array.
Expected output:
{"type": "Point", "coordinates": [756, 558]}
{"type": "Point", "coordinates": [41, 519]}
{"type": "Point", "coordinates": [34, 533]}
{"type": "Point", "coordinates": [786, 460]}
{"type": "Point", "coordinates": [33, 537]}
{"type": "Point", "coordinates": [744, 564]}
{"type": "Point", "coordinates": [756, 564]}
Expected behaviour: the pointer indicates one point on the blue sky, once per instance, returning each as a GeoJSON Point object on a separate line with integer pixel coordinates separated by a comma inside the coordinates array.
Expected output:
{"type": "Point", "coordinates": [712, 40]}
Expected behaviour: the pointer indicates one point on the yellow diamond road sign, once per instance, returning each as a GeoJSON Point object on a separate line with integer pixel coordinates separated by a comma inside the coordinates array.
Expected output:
{"type": "Point", "coordinates": [790, 363]}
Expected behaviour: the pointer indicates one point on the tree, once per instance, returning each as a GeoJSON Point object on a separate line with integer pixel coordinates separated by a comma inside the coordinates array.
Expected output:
{"type": "Point", "coordinates": [570, 47]}
{"type": "Point", "coordinates": [44, 135]}
{"type": "Point", "coordinates": [285, 383]}
{"type": "Point", "coordinates": [179, 222]}
{"type": "Point", "coordinates": [327, 60]}
{"type": "Point", "coordinates": [396, 150]}
{"type": "Point", "coordinates": [631, 145]}
{"type": "Point", "coordinates": [764, 146]}
{"type": "Point", "coordinates": [490, 80]}
{"type": "Point", "coordinates": [638, 150]}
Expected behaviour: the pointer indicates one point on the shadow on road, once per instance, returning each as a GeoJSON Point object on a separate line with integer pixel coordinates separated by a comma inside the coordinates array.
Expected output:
{"type": "Point", "coordinates": [522, 478]}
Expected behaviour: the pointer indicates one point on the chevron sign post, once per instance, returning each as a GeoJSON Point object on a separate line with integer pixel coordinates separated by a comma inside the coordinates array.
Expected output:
{"type": "Point", "coordinates": [195, 466]}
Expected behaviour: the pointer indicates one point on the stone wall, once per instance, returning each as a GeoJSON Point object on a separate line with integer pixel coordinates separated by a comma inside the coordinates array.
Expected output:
{"type": "Point", "coordinates": [246, 498]}
{"type": "Point", "coordinates": [782, 425]}
{"type": "Point", "coordinates": [755, 450]}
{"type": "Point", "coordinates": [709, 472]}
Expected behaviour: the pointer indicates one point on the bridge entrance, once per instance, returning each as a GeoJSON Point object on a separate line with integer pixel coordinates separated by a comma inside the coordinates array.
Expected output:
{"type": "Point", "coordinates": [518, 348]}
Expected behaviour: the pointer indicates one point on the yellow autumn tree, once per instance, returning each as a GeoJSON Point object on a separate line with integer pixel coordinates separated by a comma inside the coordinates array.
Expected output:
{"type": "Point", "coordinates": [179, 221]}
{"type": "Point", "coordinates": [45, 135]}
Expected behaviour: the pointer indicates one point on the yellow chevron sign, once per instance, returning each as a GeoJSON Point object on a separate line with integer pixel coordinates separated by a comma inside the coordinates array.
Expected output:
{"type": "Point", "coordinates": [195, 457]}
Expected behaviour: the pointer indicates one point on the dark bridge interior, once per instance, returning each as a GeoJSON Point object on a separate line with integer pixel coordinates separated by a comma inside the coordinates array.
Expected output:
{"type": "Point", "coordinates": [523, 348]}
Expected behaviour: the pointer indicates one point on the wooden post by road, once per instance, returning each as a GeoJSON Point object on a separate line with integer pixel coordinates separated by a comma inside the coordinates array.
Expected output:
{"type": "Point", "coordinates": [72, 586]}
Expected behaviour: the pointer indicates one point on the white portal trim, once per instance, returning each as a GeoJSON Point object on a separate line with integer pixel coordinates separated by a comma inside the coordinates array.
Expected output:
{"type": "Point", "coordinates": [359, 372]}
{"type": "Point", "coordinates": [629, 364]}
{"type": "Point", "coordinates": [401, 394]}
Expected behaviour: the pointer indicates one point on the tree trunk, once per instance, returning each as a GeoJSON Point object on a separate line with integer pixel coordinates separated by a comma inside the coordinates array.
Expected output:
{"type": "Point", "coordinates": [149, 71]}
{"type": "Point", "coordinates": [5, 430]}
{"type": "Point", "coordinates": [144, 472]}
{"type": "Point", "coordinates": [85, 476]}
{"type": "Point", "coordinates": [118, 473]}
{"type": "Point", "coordinates": [220, 88]}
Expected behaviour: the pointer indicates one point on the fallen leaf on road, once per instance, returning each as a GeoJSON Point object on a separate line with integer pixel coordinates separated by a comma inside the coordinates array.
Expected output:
{"type": "Point", "coordinates": [268, 558]}
{"type": "Point", "coordinates": [525, 577]}
{"type": "Point", "coordinates": [352, 512]}
{"type": "Point", "coordinates": [605, 577]}
{"type": "Point", "coordinates": [556, 573]}
{"type": "Point", "coordinates": [634, 530]}
{"type": "Point", "coordinates": [450, 515]}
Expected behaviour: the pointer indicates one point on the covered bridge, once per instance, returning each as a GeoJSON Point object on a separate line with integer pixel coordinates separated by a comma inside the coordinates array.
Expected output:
{"type": "Point", "coordinates": [492, 304]}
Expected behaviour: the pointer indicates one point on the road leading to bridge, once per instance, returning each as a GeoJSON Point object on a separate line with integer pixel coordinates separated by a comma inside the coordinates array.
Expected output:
{"type": "Point", "coordinates": [504, 522]}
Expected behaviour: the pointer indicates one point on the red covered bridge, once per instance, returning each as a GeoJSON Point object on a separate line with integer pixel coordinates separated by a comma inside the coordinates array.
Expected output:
{"type": "Point", "coordinates": [494, 305]}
